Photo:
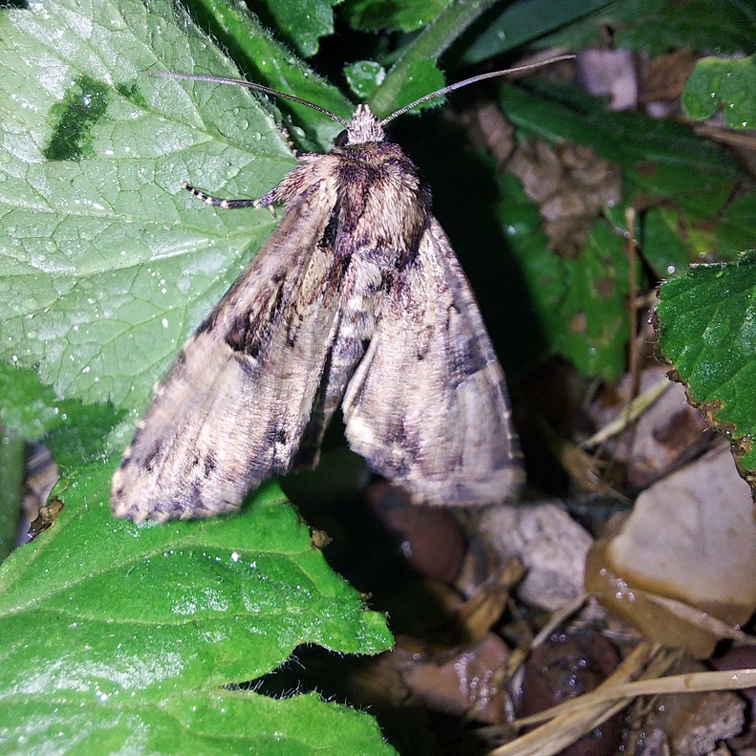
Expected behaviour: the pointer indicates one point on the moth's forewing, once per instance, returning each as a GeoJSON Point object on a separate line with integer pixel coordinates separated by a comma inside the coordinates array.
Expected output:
{"type": "Point", "coordinates": [234, 407]}
{"type": "Point", "coordinates": [428, 405]}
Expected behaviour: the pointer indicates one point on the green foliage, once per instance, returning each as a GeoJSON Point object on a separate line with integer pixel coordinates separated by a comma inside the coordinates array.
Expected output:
{"type": "Point", "coordinates": [138, 628]}
{"type": "Point", "coordinates": [377, 15]}
{"type": "Point", "coordinates": [107, 266]}
{"type": "Point", "coordinates": [302, 22]}
{"type": "Point", "coordinates": [702, 25]}
{"type": "Point", "coordinates": [523, 22]}
{"type": "Point", "coordinates": [259, 53]}
{"type": "Point", "coordinates": [593, 311]}
{"type": "Point", "coordinates": [685, 182]}
{"type": "Point", "coordinates": [722, 83]}
{"type": "Point", "coordinates": [414, 63]}
{"type": "Point", "coordinates": [707, 329]}
{"type": "Point", "coordinates": [658, 26]}
{"type": "Point", "coordinates": [74, 430]}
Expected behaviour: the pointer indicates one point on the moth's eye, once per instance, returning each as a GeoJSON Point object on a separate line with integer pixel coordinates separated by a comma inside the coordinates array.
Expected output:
{"type": "Point", "coordinates": [342, 139]}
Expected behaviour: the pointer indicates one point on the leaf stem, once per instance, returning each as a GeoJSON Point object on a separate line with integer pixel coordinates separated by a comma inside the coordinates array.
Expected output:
{"type": "Point", "coordinates": [12, 475]}
{"type": "Point", "coordinates": [430, 44]}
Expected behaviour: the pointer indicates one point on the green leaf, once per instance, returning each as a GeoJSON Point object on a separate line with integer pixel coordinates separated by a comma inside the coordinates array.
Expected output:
{"type": "Point", "coordinates": [31, 411]}
{"type": "Point", "coordinates": [423, 77]}
{"type": "Point", "coordinates": [721, 83]}
{"type": "Point", "coordinates": [658, 26]}
{"type": "Point", "coordinates": [364, 77]}
{"type": "Point", "coordinates": [26, 406]}
{"type": "Point", "coordinates": [140, 626]}
{"type": "Point", "coordinates": [219, 722]}
{"type": "Point", "coordinates": [735, 229]}
{"type": "Point", "coordinates": [664, 247]}
{"type": "Point", "coordinates": [674, 237]}
{"type": "Point", "coordinates": [417, 59]}
{"type": "Point", "coordinates": [707, 329]}
{"type": "Point", "coordinates": [524, 21]}
{"type": "Point", "coordinates": [542, 274]}
{"type": "Point", "coordinates": [596, 324]}
{"type": "Point", "coordinates": [107, 264]}
{"type": "Point", "coordinates": [579, 306]}
{"type": "Point", "coordinates": [378, 15]}
{"type": "Point", "coordinates": [683, 180]}
{"type": "Point", "coordinates": [302, 22]}
{"type": "Point", "coordinates": [259, 54]}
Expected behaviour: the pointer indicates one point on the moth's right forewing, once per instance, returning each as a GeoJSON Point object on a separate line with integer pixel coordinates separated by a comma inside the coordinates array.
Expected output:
{"type": "Point", "coordinates": [428, 405]}
{"type": "Point", "coordinates": [235, 404]}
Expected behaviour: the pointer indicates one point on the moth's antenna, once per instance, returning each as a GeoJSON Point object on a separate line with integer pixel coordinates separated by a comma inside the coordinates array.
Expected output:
{"type": "Point", "coordinates": [474, 80]}
{"type": "Point", "coordinates": [252, 85]}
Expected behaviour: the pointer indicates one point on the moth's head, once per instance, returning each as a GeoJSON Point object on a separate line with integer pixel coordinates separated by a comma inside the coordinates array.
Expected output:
{"type": "Point", "coordinates": [364, 127]}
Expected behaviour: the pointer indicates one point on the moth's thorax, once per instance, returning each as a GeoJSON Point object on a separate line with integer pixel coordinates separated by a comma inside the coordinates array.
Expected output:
{"type": "Point", "coordinates": [373, 200]}
{"type": "Point", "coordinates": [383, 203]}
{"type": "Point", "coordinates": [364, 127]}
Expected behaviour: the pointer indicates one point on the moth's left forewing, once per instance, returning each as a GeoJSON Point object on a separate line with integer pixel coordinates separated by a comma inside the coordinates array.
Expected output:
{"type": "Point", "coordinates": [234, 407]}
{"type": "Point", "coordinates": [428, 405]}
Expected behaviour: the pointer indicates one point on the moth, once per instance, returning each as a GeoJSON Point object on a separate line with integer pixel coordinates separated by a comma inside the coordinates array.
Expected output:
{"type": "Point", "coordinates": [356, 299]}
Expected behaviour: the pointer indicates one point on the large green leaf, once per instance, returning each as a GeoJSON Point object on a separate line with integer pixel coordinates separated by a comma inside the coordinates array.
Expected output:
{"type": "Point", "coordinates": [707, 329]}
{"type": "Point", "coordinates": [118, 635]}
{"type": "Point", "coordinates": [107, 264]}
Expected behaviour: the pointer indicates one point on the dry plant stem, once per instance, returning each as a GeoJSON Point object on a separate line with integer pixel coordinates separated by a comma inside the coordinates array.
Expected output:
{"type": "Point", "coordinates": [690, 682]}
{"type": "Point", "coordinates": [701, 619]}
{"type": "Point", "coordinates": [573, 722]}
{"type": "Point", "coordinates": [636, 408]}
{"type": "Point", "coordinates": [632, 259]}
{"type": "Point", "coordinates": [746, 141]}
{"type": "Point", "coordinates": [557, 618]}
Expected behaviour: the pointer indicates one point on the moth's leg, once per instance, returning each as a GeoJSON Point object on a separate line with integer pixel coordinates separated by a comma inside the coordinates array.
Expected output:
{"type": "Point", "coordinates": [226, 204]}
{"type": "Point", "coordinates": [294, 184]}
{"type": "Point", "coordinates": [233, 204]}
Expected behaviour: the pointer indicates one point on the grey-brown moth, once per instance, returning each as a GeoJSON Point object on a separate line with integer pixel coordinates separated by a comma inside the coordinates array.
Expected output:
{"type": "Point", "coordinates": [356, 299]}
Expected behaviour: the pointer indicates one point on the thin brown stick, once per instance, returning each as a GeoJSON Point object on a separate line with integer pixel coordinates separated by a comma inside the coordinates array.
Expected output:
{"type": "Point", "coordinates": [632, 259]}
{"type": "Point", "coordinates": [567, 727]}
